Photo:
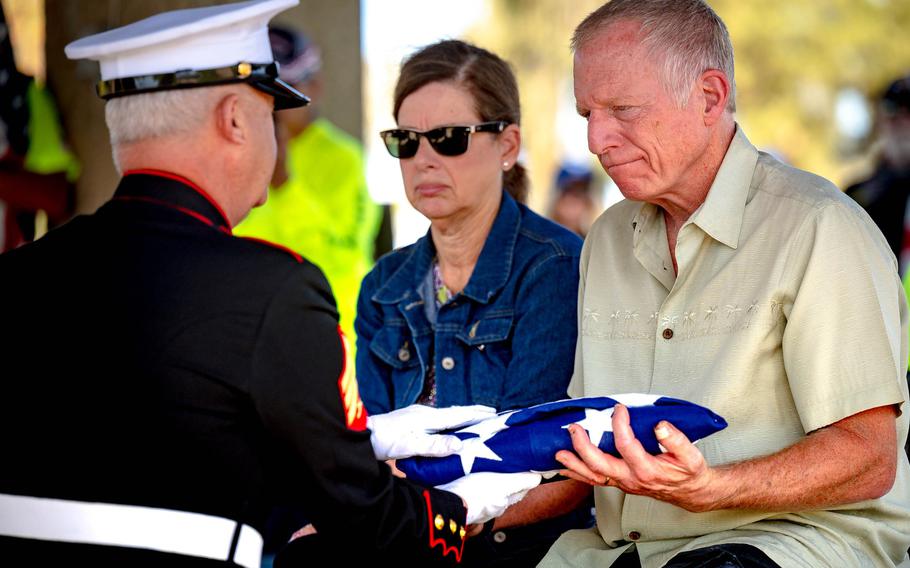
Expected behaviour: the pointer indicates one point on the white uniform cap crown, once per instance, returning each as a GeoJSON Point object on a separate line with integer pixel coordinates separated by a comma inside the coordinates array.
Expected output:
{"type": "Point", "coordinates": [197, 38]}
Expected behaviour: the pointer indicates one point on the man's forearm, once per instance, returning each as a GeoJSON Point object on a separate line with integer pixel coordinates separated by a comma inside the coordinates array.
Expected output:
{"type": "Point", "coordinates": [849, 461]}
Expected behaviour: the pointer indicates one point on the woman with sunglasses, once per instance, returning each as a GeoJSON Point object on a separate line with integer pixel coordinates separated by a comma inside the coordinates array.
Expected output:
{"type": "Point", "coordinates": [481, 310]}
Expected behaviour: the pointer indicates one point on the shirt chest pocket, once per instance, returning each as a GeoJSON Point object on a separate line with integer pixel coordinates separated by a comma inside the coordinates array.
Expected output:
{"type": "Point", "coordinates": [394, 346]}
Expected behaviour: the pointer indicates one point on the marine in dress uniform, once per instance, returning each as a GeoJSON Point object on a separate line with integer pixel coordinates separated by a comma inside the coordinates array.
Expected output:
{"type": "Point", "coordinates": [169, 383]}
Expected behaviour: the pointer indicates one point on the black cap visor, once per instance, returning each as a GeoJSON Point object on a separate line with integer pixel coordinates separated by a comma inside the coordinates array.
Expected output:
{"type": "Point", "coordinates": [285, 95]}
{"type": "Point", "coordinates": [261, 76]}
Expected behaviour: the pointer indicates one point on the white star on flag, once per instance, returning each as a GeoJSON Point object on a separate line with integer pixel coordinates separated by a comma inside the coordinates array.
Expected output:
{"type": "Point", "coordinates": [474, 448]}
{"type": "Point", "coordinates": [486, 428]}
{"type": "Point", "coordinates": [596, 423]}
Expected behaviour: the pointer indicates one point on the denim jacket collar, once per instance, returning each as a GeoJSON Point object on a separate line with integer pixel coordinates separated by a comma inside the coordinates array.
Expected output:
{"type": "Point", "coordinates": [489, 276]}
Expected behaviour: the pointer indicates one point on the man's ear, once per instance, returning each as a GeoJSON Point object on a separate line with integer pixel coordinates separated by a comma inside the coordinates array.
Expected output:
{"type": "Point", "coordinates": [230, 123]}
{"type": "Point", "coordinates": [715, 89]}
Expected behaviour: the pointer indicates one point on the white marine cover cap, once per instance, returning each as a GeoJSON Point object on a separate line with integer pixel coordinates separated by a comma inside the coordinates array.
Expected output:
{"type": "Point", "coordinates": [196, 47]}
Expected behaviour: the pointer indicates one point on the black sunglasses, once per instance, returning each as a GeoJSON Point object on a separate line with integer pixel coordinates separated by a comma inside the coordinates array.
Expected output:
{"type": "Point", "coordinates": [446, 140]}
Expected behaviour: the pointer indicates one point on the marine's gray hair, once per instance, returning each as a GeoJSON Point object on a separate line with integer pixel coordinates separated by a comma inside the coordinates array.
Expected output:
{"type": "Point", "coordinates": [153, 115]}
{"type": "Point", "coordinates": [686, 36]}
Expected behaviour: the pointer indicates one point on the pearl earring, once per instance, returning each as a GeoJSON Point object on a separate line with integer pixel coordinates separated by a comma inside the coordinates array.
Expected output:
{"type": "Point", "coordinates": [505, 164]}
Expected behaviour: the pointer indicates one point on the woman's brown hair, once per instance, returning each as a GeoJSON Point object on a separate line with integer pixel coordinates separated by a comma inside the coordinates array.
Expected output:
{"type": "Point", "coordinates": [485, 75]}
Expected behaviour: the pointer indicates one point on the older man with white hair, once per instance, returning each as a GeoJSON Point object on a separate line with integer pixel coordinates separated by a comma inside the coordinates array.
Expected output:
{"type": "Point", "coordinates": [169, 383]}
{"type": "Point", "coordinates": [731, 280]}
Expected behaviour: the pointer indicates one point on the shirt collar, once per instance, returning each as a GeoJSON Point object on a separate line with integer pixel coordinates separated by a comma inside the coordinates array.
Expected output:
{"type": "Point", "coordinates": [490, 274]}
{"type": "Point", "coordinates": [721, 215]}
{"type": "Point", "coordinates": [172, 191]}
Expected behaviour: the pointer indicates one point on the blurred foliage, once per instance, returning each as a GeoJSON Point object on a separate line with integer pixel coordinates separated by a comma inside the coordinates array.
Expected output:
{"type": "Point", "coordinates": [793, 57]}
{"type": "Point", "coordinates": [534, 37]}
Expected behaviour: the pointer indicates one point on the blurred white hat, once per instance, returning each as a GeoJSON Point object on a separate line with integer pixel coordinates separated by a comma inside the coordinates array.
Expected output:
{"type": "Point", "coordinates": [197, 47]}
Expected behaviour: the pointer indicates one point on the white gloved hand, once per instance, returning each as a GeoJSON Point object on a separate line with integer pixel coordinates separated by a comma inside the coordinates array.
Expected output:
{"type": "Point", "coordinates": [409, 431]}
{"type": "Point", "coordinates": [489, 494]}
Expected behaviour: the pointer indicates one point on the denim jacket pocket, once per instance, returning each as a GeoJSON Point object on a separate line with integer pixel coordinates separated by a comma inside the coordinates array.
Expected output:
{"type": "Point", "coordinates": [488, 347]}
{"type": "Point", "coordinates": [394, 346]}
{"type": "Point", "coordinates": [486, 330]}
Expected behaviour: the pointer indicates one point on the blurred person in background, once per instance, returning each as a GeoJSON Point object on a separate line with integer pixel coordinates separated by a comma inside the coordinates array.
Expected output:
{"type": "Point", "coordinates": [481, 310]}
{"type": "Point", "coordinates": [575, 205]}
{"type": "Point", "coordinates": [318, 204]}
{"type": "Point", "coordinates": [886, 194]}
{"type": "Point", "coordinates": [37, 170]}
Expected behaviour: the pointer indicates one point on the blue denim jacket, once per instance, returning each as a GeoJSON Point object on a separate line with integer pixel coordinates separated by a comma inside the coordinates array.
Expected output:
{"type": "Point", "coordinates": [506, 341]}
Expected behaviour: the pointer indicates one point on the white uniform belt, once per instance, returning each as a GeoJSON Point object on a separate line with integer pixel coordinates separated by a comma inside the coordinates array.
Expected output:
{"type": "Point", "coordinates": [108, 524]}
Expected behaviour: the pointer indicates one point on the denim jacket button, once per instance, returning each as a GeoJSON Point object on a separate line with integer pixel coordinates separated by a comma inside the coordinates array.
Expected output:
{"type": "Point", "coordinates": [448, 363]}
{"type": "Point", "coordinates": [404, 355]}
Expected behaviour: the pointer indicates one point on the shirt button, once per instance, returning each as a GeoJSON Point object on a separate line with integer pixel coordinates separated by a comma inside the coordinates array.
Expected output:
{"type": "Point", "coordinates": [404, 355]}
{"type": "Point", "coordinates": [499, 537]}
{"type": "Point", "coordinates": [634, 535]}
{"type": "Point", "coordinates": [448, 363]}
{"type": "Point", "coordinates": [668, 333]}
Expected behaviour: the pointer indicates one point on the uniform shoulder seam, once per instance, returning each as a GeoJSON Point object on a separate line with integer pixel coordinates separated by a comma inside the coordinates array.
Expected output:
{"type": "Point", "coordinates": [276, 246]}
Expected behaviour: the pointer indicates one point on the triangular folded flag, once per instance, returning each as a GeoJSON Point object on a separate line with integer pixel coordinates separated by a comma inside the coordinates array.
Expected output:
{"type": "Point", "coordinates": [528, 439]}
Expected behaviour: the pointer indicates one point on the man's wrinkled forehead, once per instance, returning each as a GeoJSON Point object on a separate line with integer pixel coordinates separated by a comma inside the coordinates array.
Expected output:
{"type": "Point", "coordinates": [611, 55]}
{"type": "Point", "coordinates": [621, 31]}
{"type": "Point", "coordinates": [619, 42]}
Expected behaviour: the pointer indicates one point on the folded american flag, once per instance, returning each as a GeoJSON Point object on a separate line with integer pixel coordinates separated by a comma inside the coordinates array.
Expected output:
{"type": "Point", "coordinates": [528, 439]}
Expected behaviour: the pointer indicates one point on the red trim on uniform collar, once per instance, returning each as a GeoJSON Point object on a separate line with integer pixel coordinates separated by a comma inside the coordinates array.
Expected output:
{"type": "Point", "coordinates": [184, 181]}
{"type": "Point", "coordinates": [154, 201]}
{"type": "Point", "coordinates": [183, 210]}
{"type": "Point", "coordinates": [432, 530]}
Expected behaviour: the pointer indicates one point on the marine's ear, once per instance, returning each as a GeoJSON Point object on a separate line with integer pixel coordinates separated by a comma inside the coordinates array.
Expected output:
{"type": "Point", "coordinates": [230, 123]}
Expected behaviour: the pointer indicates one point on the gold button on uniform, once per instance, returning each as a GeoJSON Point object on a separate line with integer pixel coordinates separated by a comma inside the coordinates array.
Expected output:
{"type": "Point", "coordinates": [668, 333]}
{"type": "Point", "coordinates": [453, 526]}
{"type": "Point", "coordinates": [448, 363]}
{"type": "Point", "coordinates": [439, 522]}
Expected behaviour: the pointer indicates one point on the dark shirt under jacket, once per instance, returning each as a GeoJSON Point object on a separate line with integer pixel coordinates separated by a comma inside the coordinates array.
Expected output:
{"type": "Point", "coordinates": [153, 359]}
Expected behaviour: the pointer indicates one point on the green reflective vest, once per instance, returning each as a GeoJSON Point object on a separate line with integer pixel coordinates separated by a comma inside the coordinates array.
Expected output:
{"type": "Point", "coordinates": [47, 152]}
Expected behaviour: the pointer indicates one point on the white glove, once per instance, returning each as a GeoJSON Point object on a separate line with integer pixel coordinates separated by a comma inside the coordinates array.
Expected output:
{"type": "Point", "coordinates": [409, 431]}
{"type": "Point", "coordinates": [489, 494]}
